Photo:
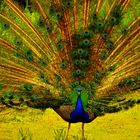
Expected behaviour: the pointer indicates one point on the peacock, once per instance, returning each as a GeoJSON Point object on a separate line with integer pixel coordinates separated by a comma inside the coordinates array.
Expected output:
{"type": "Point", "coordinates": [79, 57]}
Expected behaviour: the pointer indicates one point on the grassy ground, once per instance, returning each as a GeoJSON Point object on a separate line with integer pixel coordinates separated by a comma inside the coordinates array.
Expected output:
{"type": "Point", "coordinates": [32, 124]}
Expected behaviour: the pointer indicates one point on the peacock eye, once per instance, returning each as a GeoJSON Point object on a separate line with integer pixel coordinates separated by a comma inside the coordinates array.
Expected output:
{"type": "Point", "coordinates": [96, 75]}
{"type": "Point", "coordinates": [76, 62]}
{"type": "Point", "coordinates": [83, 62]}
{"type": "Point", "coordinates": [17, 54]}
{"type": "Point", "coordinates": [42, 76]}
{"type": "Point", "coordinates": [78, 72]}
{"type": "Point", "coordinates": [41, 22]}
{"type": "Point", "coordinates": [113, 21]}
{"type": "Point", "coordinates": [86, 32]}
{"type": "Point", "coordinates": [128, 81]}
{"type": "Point", "coordinates": [63, 65]}
{"type": "Point", "coordinates": [105, 36]}
{"type": "Point", "coordinates": [80, 51]}
{"type": "Point", "coordinates": [103, 54]}
{"type": "Point", "coordinates": [94, 16]}
{"type": "Point", "coordinates": [74, 53]}
{"type": "Point", "coordinates": [100, 26]}
{"type": "Point", "coordinates": [8, 95]}
{"type": "Point", "coordinates": [42, 62]}
{"type": "Point", "coordinates": [46, 81]}
{"type": "Point", "coordinates": [6, 26]}
{"type": "Point", "coordinates": [30, 58]}
{"type": "Point", "coordinates": [48, 29]}
{"type": "Point", "coordinates": [58, 78]}
{"type": "Point", "coordinates": [133, 84]}
{"type": "Point", "coordinates": [60, 45]}
{"type": "Point", "coordinates": [110, 69]}
{"type": "Point", "coordinates": [68, 4]}
{"type": "Point", "coordinates": [59, 16]}
{"type": "Point", "coordinates": [124, 31]}
{"type": "Point", "coordinates": [18, 43]}
{"type": "Point", "coordinates": [86, 42]}
{"type": "Point", "coordinates": [103, 57]}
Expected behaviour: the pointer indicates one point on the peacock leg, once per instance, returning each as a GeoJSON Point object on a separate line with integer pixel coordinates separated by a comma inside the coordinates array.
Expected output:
{"type": "Point", "coordinates": [68, 131]}
{"type": "Point", "coordinates": [83, 131]}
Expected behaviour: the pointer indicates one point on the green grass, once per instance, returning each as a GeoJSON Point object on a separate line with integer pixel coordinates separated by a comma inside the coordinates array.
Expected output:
{"type": "Point", "coordinates": [24, 135]}
{"type": "Point", "coordinates": [33, 124]}
{"type": "Point", "coordinates": [59, 134]}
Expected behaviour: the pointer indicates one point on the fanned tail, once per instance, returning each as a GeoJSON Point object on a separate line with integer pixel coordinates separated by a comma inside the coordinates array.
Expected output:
{"type": "Point", "coordinates": [46, 53]}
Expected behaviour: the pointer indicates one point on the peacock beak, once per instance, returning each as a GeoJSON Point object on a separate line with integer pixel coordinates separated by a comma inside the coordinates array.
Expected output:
{"type": "Point", "coordinates": [79, 93]}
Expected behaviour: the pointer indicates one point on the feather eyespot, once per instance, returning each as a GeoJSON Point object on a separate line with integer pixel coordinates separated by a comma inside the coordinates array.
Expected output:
{"type": "Point", "coordinates": [6, 26]}
{"type": "Point", "coordinates": [48, 28]}
{"type": "Point", "coordinates": [42, 76]}
{"type": "Point", "coordinates": [94, 16]}
{"type": "Point", "coordinates": [18, 43]}
{"type": "Point", "coordinates": [59, 16]}
{"type": "Point", "coordinates": [103, 57]}
{"type": "Point", "coordinates": [86, 42]}
{"type": "Point", "coordinates": [30, 58]}
{"type": "Point", "coordinates": [125, 31]}
{"type": "Point", "coordinates": [41, 22]}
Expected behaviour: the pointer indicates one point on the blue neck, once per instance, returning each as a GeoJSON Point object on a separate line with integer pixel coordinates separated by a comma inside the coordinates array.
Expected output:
{"type": "Point", "coordinates": [79, 114]}
{"type": "Point", "coordinates": [79, 107]}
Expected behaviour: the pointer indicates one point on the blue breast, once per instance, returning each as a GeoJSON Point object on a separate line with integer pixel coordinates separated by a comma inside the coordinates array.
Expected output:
{"type": "Point", "coordinates": [79, 114]}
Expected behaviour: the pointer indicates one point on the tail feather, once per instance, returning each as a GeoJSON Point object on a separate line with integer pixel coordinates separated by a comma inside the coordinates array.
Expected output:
{"type": "Point", "coordinates": [46, 53]}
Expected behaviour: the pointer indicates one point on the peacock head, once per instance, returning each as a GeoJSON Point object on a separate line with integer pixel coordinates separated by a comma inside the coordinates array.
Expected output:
{"type": "Point", "coordinates": [79, 89]}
